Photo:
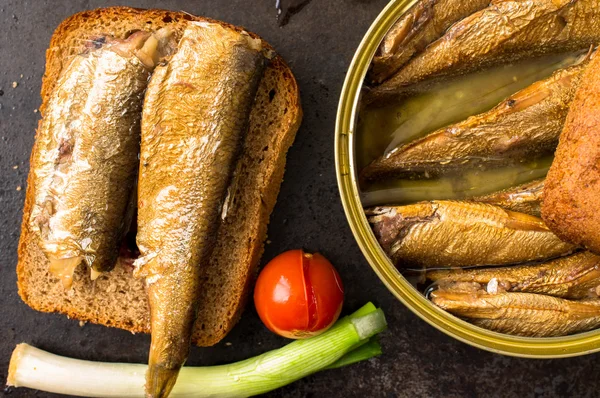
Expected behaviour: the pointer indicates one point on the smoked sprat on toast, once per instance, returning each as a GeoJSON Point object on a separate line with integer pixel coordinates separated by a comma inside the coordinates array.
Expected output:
{"type": "Point", "coordinates": [118, 299]}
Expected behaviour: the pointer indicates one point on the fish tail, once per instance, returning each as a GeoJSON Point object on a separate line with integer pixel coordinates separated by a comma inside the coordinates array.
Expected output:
{"type": "Point", "coordinates": [159, 378]}
{"type": "Point", "coordinates": [168, 352]}
{"type": "Point", "coordinates": [173, 301]}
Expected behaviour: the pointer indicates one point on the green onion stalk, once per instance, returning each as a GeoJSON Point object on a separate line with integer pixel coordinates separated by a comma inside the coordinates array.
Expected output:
{"type": "Point", "coordinates": [350, 340]}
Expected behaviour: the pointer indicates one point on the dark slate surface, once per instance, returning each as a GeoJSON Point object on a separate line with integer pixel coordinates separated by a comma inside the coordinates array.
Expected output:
{"type": "Point", "coordinates": [318, 42]}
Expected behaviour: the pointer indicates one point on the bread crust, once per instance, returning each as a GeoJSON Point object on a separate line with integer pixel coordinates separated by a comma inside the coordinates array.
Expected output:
{"type": "Point", "coordinates": [572, 189]}
{"type": "Point", "coordinates": [119, 300]}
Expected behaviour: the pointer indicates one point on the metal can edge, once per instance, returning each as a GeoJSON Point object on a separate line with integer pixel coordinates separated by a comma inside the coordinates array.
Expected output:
{"type": "Point", "coordinates": [544, 348]}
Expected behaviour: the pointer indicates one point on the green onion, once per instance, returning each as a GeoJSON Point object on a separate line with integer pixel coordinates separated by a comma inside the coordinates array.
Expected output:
{"type": "Point", "coordinates": [35, 368]}
{"type": "Point", "coordinates": [366, 351]}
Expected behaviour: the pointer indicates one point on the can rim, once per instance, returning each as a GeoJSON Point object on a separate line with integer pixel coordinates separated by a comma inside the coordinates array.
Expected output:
{"type": "Point", "coordinates": [527, 347]}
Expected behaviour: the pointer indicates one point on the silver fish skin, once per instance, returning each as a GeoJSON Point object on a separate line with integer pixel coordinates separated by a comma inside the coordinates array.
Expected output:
{"type": "Point", "coordinates": [85, 159]}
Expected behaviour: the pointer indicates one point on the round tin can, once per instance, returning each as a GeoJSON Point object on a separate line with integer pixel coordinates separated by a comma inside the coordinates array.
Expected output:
{"type": "Point", "coordinates": [555, 347]}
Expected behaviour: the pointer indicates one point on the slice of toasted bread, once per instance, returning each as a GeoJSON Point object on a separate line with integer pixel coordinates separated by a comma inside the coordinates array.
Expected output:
{"type": "Point", "coordinates": [572, 190]}
{"type": "Point", "coordinates": [118, 299]}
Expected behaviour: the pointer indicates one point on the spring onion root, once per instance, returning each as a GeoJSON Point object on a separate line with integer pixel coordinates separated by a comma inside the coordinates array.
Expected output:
{"type": "Point", "coordinates": [350, 340]}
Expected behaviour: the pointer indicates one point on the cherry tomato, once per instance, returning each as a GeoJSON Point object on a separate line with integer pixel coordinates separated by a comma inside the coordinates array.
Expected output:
{"type": "Point", "coordinates": [298, 295]}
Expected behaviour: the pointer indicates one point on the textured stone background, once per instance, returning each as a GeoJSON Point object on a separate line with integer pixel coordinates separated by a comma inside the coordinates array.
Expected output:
{"type": "Point", "coordinates": [318, 42]}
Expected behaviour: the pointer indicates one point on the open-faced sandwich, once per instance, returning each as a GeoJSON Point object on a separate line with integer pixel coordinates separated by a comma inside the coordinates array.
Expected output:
{"type": "Point", "coordinates": [165, 126]}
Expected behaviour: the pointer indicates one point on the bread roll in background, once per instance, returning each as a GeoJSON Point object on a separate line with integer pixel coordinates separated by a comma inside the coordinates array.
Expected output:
{"type": "Point", "coordinates": [571, 205]}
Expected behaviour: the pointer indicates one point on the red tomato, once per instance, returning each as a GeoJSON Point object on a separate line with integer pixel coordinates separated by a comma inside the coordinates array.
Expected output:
{"type": "Point", "coordinates": [298, 295]}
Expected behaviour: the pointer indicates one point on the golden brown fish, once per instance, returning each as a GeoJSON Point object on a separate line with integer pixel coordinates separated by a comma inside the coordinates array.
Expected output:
{"type": "Point", "coordinates": [425, 22]}
{"type": "Point", "coordinates": [526, 198]}
{"type": "Point", "coordinates": [195, 116]}
{"type": "Point", "coordinates": [573, 277]}
{"type": "Point", "coordinates": [442, 234]}
{"type": "Point", "coordinates": [85, 159]}
{"type": "Point", "coordinates": [526, 124]}
{"type": "Point", "coordinates": [506, 31]}
{"type": "Point", "coordinates": [522, 314]}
